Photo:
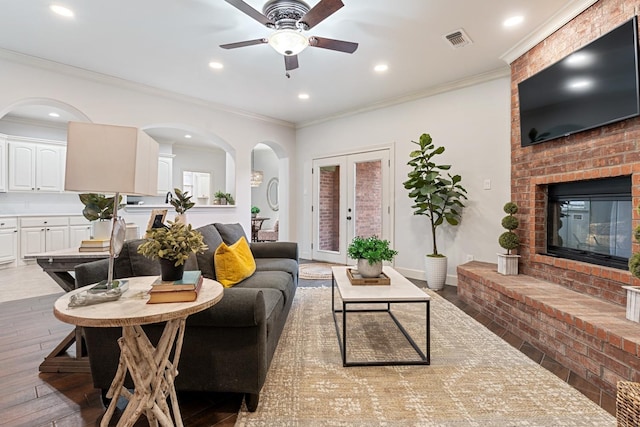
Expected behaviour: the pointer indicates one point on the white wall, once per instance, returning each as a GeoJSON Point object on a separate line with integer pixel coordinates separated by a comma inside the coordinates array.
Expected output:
{"type": "Point", "coordinates": [472, 123]}
{"type": "Point", "coordinates": [107, 100]}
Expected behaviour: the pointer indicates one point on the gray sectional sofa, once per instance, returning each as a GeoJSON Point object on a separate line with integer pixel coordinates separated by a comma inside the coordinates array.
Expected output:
{"type": "Point", "coordinates": [227, 348]}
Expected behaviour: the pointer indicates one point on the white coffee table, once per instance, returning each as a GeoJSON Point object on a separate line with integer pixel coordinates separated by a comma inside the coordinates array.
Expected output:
{"type": "Point", "coordinates": [400, 291]}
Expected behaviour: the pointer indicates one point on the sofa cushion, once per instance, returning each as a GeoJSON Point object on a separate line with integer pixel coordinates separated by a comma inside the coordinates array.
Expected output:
{"type": "Point", "coordinates": [212, 239]}
{"type": "Point", "coordinates": [233, 263]}
{"type": "Point", "coordinates": [278, 280]}
{"type": "Point", "coordinates": [230, 233]}
{"type": "Point", "coordinates": [277, 264]}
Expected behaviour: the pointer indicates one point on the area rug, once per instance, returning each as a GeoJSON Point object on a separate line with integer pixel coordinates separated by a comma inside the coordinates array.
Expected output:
{"type": "Point", "coordinates": [475, 378]}
{"type": "Point", "coordinates": [315, 271]}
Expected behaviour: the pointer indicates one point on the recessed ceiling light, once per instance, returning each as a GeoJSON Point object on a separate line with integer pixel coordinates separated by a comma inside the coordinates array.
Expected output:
{"type": "Point", "coordinates": [303, 96]}
{"type": "Point", "coordinates": [381, 68]}
{"type": "Point", "coordinates": [54, 115]}
{"type": "Point", "coordinates": [216, 65]}
{"type": "Point", "coordinates": [187, 136]}
{"type": "Point", "coordinates": [61, 10]}
{"type": "Point", "coordinates": [513, 21]}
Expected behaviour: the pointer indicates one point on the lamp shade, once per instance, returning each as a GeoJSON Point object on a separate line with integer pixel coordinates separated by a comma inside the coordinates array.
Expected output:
{"type": "Point", "coordinates": [110, 159]}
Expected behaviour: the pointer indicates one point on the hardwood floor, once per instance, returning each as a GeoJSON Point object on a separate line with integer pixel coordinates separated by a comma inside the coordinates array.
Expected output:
{"type": "Point", "coordinates": [29, 331]}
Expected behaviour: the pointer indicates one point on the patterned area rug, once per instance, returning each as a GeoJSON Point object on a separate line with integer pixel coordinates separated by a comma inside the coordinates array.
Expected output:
{"type": "Point", "coordinates": [475, 378]}
{"type": "Point", "coordinates": [315, 271]}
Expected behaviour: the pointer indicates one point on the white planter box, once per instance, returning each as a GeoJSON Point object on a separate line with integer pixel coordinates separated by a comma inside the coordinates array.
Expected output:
{"type": "Point", "coordinates": [633, 303]}
{"type": "Point", "coordinates": [508, 264]}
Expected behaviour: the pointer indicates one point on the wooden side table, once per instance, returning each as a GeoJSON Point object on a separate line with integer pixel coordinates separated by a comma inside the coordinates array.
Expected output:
{"type": "Point", "coordinates": [152, 372]}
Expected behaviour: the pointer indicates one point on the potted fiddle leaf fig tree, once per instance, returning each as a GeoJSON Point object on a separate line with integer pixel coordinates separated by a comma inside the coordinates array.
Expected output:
{"type": "Point", "coordinates": [508, 263]}
{"type": "Point", "coordinates": [439, 196]}
{"type": "Point", "coordinates": [370, 252]}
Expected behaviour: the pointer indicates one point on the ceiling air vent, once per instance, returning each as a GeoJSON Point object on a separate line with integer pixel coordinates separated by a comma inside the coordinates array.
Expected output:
{"type": "Point", "coordinates": [458, 39]}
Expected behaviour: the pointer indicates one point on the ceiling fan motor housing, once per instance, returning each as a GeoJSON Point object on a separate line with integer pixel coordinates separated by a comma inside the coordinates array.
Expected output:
{"type": "Point", "coordinates": [286, 13]}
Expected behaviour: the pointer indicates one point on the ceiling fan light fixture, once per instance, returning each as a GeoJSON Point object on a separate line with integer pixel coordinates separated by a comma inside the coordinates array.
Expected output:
{"type": "Point", "coordinates": [288, 42]}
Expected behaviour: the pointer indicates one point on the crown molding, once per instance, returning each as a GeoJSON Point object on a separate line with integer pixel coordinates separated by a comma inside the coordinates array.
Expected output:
{"type": "Point", "coordinates": [81, 73]}
{"type": "Point", "coordinates": [425, 93]}
{"type": "Point", "coordinates": [8, 118]}
{"type": "Point", "coordinates": [562, 17]}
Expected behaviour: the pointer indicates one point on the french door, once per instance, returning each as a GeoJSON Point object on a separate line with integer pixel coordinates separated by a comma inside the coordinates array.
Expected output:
{"type": "Point", "coordinates": [351, 198]}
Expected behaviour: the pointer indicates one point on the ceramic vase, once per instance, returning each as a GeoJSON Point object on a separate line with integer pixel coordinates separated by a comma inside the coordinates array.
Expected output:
{"type": "Point", "coordinates": [369, 270]}
{"type": "Point", "coordinates": [170, 272]}
{"type": "Point", "coordinates": [101, 229]}
{"type": "Point", "coordinates": [508, 264]}
{"type": "Point", "coordinates": [435, 271]}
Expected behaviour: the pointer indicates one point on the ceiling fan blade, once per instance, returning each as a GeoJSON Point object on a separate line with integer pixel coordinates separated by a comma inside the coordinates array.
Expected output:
{"type": "Point", "coordinates": [244, 43]}
{"type": "Point", "coordinates": [319, 12]}
{"type": "Point", "coordinates": [245, 8]}
{"type": "Point", "coordinates": [339, 45]}
{"type": "Point", "coordinates": [291, 62]}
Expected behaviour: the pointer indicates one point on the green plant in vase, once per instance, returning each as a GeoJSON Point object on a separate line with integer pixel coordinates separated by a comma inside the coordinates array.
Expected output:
{"type": "Point", "coordinates": [370, 252]}
{"type": "Point", "coordinates": [508, 263]}
{"type": "Point", "coordinates": [172, 245]}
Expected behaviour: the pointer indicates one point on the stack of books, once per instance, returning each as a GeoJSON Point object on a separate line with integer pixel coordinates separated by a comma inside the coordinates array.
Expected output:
{"type": "Point", "coordinates": [95, 245]}
{"type": "Point", "coordinates": [185, 290]}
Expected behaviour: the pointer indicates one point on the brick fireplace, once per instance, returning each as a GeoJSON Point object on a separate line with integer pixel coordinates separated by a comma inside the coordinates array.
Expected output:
{"type": "Point", "coordinates": [609, 151]}
{"type": "Point", "coordinates": [571, 310]}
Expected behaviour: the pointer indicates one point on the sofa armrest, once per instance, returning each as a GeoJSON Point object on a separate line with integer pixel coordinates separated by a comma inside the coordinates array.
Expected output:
{"type": "Point", "coordinates": [239, 308]}
{"type": "Point", "coordinates": [275, 250]}
{"type": "Point", "coordinates": [91, 272]}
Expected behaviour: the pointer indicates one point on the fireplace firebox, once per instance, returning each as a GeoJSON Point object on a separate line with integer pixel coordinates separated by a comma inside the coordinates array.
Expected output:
{"type": "Point", "coordinates": [590, 221]}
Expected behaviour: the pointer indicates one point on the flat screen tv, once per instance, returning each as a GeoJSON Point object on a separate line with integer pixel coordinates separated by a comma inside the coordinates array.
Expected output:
{"type": "Point", "coordinates": [594, 86]}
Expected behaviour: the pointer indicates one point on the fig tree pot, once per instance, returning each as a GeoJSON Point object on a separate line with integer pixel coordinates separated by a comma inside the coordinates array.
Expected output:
{"type": "Point", "coordinates": [181, 218]}
{"type": "Point", "coordinates": [170, 272]}
{"type": "Point", "coordinates": [508, 264]}
{"type": "Point", "coordinates": [633, 303]}
{"type": "Point", "coordinates": [101, 229]}
{"type": "Point", "coordinates": [435, 268]}
{"type": "Point", "coordinates": [369, 270]}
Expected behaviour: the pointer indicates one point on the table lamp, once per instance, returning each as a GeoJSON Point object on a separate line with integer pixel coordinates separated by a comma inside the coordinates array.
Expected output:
{"type": "Point", "coordinates": [110, 159]}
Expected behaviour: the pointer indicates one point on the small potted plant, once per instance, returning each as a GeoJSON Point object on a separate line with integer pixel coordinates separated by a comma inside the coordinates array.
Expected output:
{"type": "Point", "coordinates": [99, 210]}
{"type": "Point", "coordinates": [229, 198]}
{"type": "Point", "coordinates": [633, 292]}
{"type": "Point", "coordinates": [254, 211]}
{"type": "Point", "coordinates": [182, 203]}
{"type": "Point", "coordinates": [220, 198]}
{"type": "Point", "coordinates": [508, 263]}
{"type": "Point", "coordinates": [172, 245]}
{"type": "Point", "coordinates": [370, 252]}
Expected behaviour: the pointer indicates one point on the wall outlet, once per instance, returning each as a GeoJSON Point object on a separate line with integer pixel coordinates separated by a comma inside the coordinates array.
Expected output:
{"type": "Point", "coordinates": [486, 185]}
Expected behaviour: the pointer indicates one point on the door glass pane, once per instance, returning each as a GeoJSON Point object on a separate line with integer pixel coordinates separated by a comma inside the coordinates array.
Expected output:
{"type": "Point", "coordinates": [329, 209]}
{"type": "Point", "coordinates": [368, 198]}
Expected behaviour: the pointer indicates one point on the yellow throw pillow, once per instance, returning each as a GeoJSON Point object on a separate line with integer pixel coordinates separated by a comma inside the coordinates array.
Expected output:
{"type": "Point", "coordinates": [233, 263]}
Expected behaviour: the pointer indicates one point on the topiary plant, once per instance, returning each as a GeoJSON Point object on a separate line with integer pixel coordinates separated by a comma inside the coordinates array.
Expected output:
{"type": "Point", "coordinates": [509, 240]}
{"type": "Point", "coordinates": [634, 261]}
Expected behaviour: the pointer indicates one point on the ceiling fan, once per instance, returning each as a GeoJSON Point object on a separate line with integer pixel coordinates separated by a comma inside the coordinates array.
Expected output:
{"type": "Point", "coordinates": [289, 19]}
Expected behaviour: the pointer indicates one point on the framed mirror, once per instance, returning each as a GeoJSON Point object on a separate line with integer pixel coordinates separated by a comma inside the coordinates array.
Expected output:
{"type": "Point", "coordinates": [272, 194]}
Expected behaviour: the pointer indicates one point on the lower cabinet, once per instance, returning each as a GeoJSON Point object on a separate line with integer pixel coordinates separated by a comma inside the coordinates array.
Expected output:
{"type": "Point", "coordinates": [8, 240]}
{"type": "Point", "coordinates": [43, 234]}
{"type": "Point", "coordinates": [79, 230]}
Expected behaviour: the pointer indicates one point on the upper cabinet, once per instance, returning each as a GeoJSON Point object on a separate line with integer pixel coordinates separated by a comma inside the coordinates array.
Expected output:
{"type": "Point", "coordinates": [3, 163]}
{"type": "Point", "coordinates": [35, 166]}
{"type": "Point", "coordinates": [165, 173]}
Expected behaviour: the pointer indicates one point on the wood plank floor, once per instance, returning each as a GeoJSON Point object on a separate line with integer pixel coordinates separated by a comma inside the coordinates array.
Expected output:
{"type": "Point", "coordinates": [29, 331]}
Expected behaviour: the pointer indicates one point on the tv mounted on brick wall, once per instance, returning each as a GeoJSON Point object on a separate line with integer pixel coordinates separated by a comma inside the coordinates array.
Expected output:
{"type": "Point", "coordinates": [594, 86]}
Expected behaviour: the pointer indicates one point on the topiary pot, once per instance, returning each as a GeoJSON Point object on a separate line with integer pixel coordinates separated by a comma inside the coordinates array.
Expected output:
{"type": "Point", "coordinates": [369, 270]}
{"type": "Point", "coordinates": [169, 272]}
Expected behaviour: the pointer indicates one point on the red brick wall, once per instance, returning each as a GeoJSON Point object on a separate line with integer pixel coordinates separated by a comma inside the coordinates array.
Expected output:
{"type": "Point", "coordinates": [329, 215]}
{"type": "Point", "coordinates": [603, 152]}
{"type": "Point", "coordinates": [368, 199]}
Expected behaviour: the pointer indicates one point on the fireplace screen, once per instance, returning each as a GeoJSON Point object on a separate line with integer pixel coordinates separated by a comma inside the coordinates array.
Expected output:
{"type": "Point", "coordinates": [591, 221]}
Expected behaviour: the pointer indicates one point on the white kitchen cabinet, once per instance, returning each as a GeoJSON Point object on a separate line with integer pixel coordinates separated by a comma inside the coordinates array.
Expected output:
{"type": "Point", "coordinates": [3, 163]}
{"type": "Point", "coordinates": [165, 174]}
{"type": "Point", "coordinates": [79, 230]}
{"type": "Point", "coordinates": [35, 166]}
{"type": "Point", "coordinates": [43, 234]}
{"type": "Point", "coordinates": [8, 240]}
